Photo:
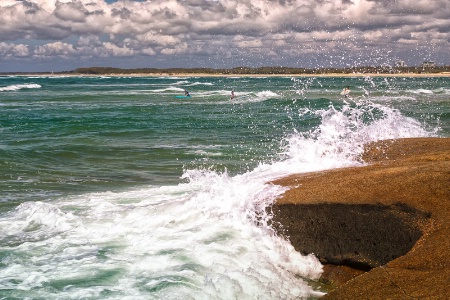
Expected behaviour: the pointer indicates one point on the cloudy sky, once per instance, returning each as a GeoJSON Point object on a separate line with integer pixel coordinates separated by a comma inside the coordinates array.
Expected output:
{"type": "Point", "coordinates": [61, 35]}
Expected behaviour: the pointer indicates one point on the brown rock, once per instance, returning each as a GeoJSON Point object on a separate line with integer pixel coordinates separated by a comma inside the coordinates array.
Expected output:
{"type": "Point", "coordinates": [334, 275]}
{"type": "Point", "coordinates": [361, 236]}
{"type": "Point", "coordinates": [390, 217]}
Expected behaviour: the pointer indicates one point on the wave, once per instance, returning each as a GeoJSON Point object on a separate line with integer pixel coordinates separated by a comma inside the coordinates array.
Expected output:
{"type": "Point", "coordinates": [200, 83]}
{"type": "Point", "coordinates": [267, 94]}
{"type": "Point", "coordinates": [253, 97]}
{"type": "Point", "coordinates": [206, 238]}
{"type": "Point", "coordinates": [441, 90]}
{"type": "Point", "coordinates": [16, 87]}
{"type": "Point", "coordinates": [182, 82]}
{"type": "Point", "coordinates": [168, 89]}
{"type": "Point", "coordinates": [422, 91]}
{"type": "Point", "coordinates": [338, 141]}
{"type": "Point", "coordinates": [51, 76]}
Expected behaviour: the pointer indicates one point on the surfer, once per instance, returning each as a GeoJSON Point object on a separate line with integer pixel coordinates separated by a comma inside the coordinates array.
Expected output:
{"type": "Point", "coordinates": [232, 95]}
{"type": "Point", "coordinates": [186, 93]}
{"type": "Point", "coordinates": [345, 92]}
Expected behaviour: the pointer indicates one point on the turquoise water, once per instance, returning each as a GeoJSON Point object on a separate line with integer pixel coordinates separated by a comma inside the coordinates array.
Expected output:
{"type": "Point", "coordinates": [111, 187]}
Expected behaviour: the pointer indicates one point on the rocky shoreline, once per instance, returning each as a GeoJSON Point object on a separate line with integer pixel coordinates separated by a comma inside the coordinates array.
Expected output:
{"type": "Point", "coordinates": [381, 230]}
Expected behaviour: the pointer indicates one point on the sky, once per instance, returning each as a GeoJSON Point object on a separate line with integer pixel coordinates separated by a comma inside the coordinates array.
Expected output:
{"type": "Point", "coordinates": [62, 35]}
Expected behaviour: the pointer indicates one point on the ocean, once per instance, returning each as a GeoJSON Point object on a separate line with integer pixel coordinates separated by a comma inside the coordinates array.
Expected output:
{"type": "Point", "coordinates": [113, 188]}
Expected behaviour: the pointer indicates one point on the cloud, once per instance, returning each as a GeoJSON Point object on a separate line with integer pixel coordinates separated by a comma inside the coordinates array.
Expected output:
{"type": "Point", "coordinates": [111, 49]}
{"type": "Point", "coordinates": [71, 11]}
{"type": "Point", "coordinates": [13, 50]}
{"type": "Point", "coordinates": [207, 31]}
{"type": "Point", "coordinates": [54, 49]}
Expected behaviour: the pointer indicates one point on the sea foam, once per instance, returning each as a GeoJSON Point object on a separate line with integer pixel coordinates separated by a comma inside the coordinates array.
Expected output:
{"type": "Point", "coordinates": [206, 238]}
{"type": "Point", "coordinates": [16, 87]}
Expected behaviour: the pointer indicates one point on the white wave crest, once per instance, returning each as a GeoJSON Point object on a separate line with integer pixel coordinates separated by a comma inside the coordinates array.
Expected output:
{"type": "Point", "coordinates": [267, 94]}
{"type": "Point", "coordinates": [200, 83]}
{"type": "Point", "coordinates": [338, 141]}
{"type": "Point", "coordinates": [422, 91]}
{"type": "Point", "coordinates": [16, 87]}
{"type": "Point", "coordinates": [33, 221]}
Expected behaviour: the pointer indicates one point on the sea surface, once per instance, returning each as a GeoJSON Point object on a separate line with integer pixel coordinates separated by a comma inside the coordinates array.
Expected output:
{"type": "Point", "coordinates": [113, 188]}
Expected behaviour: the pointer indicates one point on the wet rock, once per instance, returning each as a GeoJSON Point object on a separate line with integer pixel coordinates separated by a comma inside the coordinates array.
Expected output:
{"type": "Point", "coordinates": [391, 217]}
{"type": "Point", "coordinates": [361, 236]}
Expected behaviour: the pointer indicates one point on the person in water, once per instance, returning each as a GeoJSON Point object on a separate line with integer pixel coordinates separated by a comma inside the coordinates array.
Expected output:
{"type": "Point", "coordinates": [232, 95]}
{"type": "Point", "coordinates": [346, 92]}
{"type": "Point", "coordinates": [186, 93]}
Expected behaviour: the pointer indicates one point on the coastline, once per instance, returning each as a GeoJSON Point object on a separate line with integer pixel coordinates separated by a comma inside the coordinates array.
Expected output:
{"type": "Point", "coordinates": [443, 74]}
{"type": "Point", "coordinates": [286, 75]}
{"type": "Point", "coordinates": [406, 183]}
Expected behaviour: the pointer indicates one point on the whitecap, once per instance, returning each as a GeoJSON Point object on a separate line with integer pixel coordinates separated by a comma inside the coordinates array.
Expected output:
{"type": "Point", "coordinates": [16, 87]}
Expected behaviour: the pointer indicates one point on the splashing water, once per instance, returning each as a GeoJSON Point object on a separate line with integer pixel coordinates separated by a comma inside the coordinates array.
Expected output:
{"type": "Point", "coordinates": [81, 217]}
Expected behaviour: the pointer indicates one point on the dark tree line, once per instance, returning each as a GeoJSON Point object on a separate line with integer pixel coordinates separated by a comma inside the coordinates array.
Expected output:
{"type": "Point", "coordinates": [265, 70]}
{"type": "Point", "coordinates": [250, 71]}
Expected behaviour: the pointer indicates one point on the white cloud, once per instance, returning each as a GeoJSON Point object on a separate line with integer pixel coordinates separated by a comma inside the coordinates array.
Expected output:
{"type": "Point", "coordinates": [83, 28]}
{"type": "Point", "coordinates": [114, 50]}
{"type": "Point", "coordinates": [13, 50]}
{"type": "Point", "coordinates": [373, 35]}
{"type": "Point", "coordinates": [54, 49]}
{"type": "Point", "coordinates": [254, 43]}
{"type": "Point", "coordinates": [71, 11]}
{"type": "Point", "coordinates": [155, 39]}
{"type": "Point", "coordinates": [180, 48]}
{"type": "Point", "coordinates": [148, 51]}
{"type": "Point", "coordinates": [89, 41]}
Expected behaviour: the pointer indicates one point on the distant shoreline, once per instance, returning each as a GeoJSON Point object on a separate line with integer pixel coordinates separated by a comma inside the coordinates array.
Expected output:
{"type": "Point", "coordinates": [267, 71]}
{"type": "Point", "coordinates": [443, 74]}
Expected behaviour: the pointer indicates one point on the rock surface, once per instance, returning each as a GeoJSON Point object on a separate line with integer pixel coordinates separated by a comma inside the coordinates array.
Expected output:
{"type": "Point", "coordinates": [389, 218]}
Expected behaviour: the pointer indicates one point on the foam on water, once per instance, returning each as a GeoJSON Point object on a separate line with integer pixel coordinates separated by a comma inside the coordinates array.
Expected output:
{"type": "Point", "coordinates": [182, 82]}
{"type": "Point", "coordinates": [253, 97]}
{"type": "Point", "coordinates": [206, 238]}
{"type": "Point", "coordinates": [340, 138]}
{"type": "Point", "coordinates": [267, 94]}
{"type": "Point", "coordinates": [168, 89]}
{"type": "Point", "coordinates": [200, 83]}
{"type": "Point", "coordinates": [16, 87]}
{"type": "Point", "coordinates": [422, 91]}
